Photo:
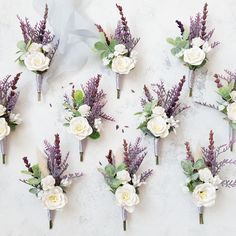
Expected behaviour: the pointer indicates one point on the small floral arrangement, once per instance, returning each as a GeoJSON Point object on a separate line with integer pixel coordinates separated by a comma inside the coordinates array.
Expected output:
{"type": "Point", "coordinates": [85, 109]}
{"type": "Point", "coordinates": [193, 46]}
{"type": "Point", "coordinates": [226, 88]}
{"type": "Point", "coordinates": [159, 111]}
{"type": "Point", "coordinates": [8, 120]}
{"type": "Point", "coordinates": [37, 48]}
{"type": "Point", "coordinates": [47, 179]}
{"type": "Point", "coordinates": [117, 52]}
{"type": "Point", "coordinates": [122, 178]}
{"type": "Point", "coordinates": [202, 173]}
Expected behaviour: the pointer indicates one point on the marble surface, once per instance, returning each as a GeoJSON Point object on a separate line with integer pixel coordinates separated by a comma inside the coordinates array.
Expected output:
{"type": "Point", "coordinates": [164, 209]}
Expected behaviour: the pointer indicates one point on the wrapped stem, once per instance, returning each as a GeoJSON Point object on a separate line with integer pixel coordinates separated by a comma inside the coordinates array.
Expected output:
{"type": "Point", "coordinates": [201, 209]}
{"type": "Point", "coordinates": [156, 149]}
{"type": "Point", "coordinates": [191, 78]}
{"type": "Point", "coordinates": [124, 218]}
{"type": "Point", "coordinates": [50, 218]}
{"type": "Point", "coordinates": [39, 82]}
{"type": "Point", "coordinates": [118, 85]}
{"type": "Point", "coordinates": [231, 137]}
{"type": "Point", "coordinates": [3, 150]}
{"type": "Point", "coordinates": [81, 150]}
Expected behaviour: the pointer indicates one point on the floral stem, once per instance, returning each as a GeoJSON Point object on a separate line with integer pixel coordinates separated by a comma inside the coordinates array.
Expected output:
{"type": "Point", "coordinates": [124, 225]}
{"type": "Point", "coordinates": [201, 218]}
{"type": "Point", "coordinates": [81, 156]}
{"type": "Point", "coordinates": [50, 224]}
{"type": "Point", "coordinates": [39, 96]}
{"type": "Point", "coordinates": [157, 160]}
{"type": "Point", "coordinates": [3, 158]}
{"type": "Point", "coordinates": [190, 92]}
{"type": "Point", "coordinates": [118, 93]}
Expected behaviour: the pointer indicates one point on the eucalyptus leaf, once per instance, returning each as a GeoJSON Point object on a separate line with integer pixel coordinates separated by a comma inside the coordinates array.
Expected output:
{"type": "Point", "coordinates": [114, 183]}
{"type": "Point", "coordinates": [121, 167]}
{"type": "Point", "coordinates": [171, 41]}
{"type": "Point", "coordinates": [26, 172]}
{"type": "Point", "coordinates": [94, 135]}
{"type": "Point", "coordinates": [33, 181]}
{"type": "Point", "coordinates": [79, 96]}
{"type": "Point", "coordinates": [100, 46]}
{"type": "Point", "coordinates": [110, 170]}
{"type": "Point", "coordinates": [21, 45]}
{"type": "Point", "coordinates": [34, 191]}
{"type": "Point", "coordinates": [36, 171]}
{"type": "Point", "coordinates": [199, 164]}
{"type": "Point", "coordinates": [187, 167]}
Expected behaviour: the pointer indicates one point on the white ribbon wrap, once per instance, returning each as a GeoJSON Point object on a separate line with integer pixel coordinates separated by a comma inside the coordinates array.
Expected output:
{"type": "Point", "coordinates": [157, 149]}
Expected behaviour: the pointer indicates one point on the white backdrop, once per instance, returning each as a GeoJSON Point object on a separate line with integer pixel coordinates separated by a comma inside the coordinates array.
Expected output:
{"type": "Point", "coordinates": [164, 209]}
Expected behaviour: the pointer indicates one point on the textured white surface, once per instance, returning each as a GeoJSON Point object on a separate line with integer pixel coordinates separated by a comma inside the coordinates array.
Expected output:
{"type": "Point", "coordinates": [164, 209]}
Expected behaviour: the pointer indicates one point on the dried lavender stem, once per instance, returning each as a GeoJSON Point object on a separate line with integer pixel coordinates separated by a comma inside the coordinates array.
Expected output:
{"type": "Point", "coordinates": [39, 81]}
{"type": "Point", "coordinates": [118, 85]}
{"type": "Point", "coordinates": [191, 78]}
{"type": "Point", "coordinates": [200, 209]}
{"type": "Point", "coordinates": [156, 149]}
{"type": "Point", "coordinates": [231, 137]}
{"type": "Point", "coordinates": [81, 150]}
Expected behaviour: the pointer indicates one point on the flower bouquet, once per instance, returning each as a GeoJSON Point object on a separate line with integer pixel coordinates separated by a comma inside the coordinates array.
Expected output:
{"type": "Point", "coordinates": [159, 111]}
{"type": "Point", "coordinates": [122, 178]}
{"type": "Point", "coordinates": [37, 48]}
{"type": "Point", "coordinates": [226, 88]}
{"type": "Point", "coordinates": [117, 52]}
{"type": "Point", "coordinates": [8, 120]}
{"type": "Point", "coordinates": [193, 45]}
{"type": "Point", "coordinates": [203, 179]}
{"type": "Point", "coordinates": [85, 109]}
{"type": "Point", "coordinates": [47, 179]}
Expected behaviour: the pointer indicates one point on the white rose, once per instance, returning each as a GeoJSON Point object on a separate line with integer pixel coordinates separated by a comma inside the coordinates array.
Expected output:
{"type": "Point", "coordinates": [66, 182]}
{"type": "Point", "coordinates": [4, 128]}
{"type": "Point", "coordinates": [98, 124]}
{"type": "Point", "coordinates": [48, 182]}
{"type": "Point", "coordinates": [54, 198]}
{"type": "Point", "coordinates": [204, 195]}
{"type": "Point", "coordinates": [158, 127]}
{"type": "Point", "coordinates": [2, 110]}
{"type": "Point", "coordinates": [126, 197]}
{"type": "Point", "coordinates": [206, 47]}
{"type": "Point", "coordinates": [84, 110]}
{"type": "Point", "coordinates": [47, 47]}
{"type": "Point", "coordinates": [120, 49]}
{"type": "Point", "coordinates": [159, 111]}
{"type": "Point", "coordinates": [80, 127]}
{"type": "Point", "coordinates": [123, 176]}
{"type": "Point", "coordinates": [194, 56]}
{"type": "Point", "coordinates": [36, 61]}
{"type": "Point", "coordinates": [231, 111]}
{"type": "Point", "coordinates": [205, 175]}
{"type": "Point", "coordinates": [197, 42]}
{"type": "Point", "coordinates": [35, 47]}
{"type": "Point", "coordinates": [122, 64]}
{"type": "Point", "coordinates": [233, 95]}
{"type": "Point", "coordinates": [15, 118]}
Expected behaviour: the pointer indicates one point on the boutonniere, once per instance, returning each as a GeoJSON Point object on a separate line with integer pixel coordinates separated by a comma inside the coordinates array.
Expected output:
{"type": "Point", "coordinates": [8, 120]}
{"type": "Point", "coordinates": [193, 45]}
{"type": "Point", "coordinates": [159, 112]}
{"type": "Point", "coordinates": [203, 179]}
{"type": "Point", "coordinates": [226, 88]}
{"type": "Point", "coordinates": [122, 178]}
{"type": "Point", "coordinates": [37, 48]}
{"type": "Point", "coordinates": [48, 180]}
{"type": "Point", "coordinates": [117, 51]}
{"type": "Point", "coordinates": [85, 107]}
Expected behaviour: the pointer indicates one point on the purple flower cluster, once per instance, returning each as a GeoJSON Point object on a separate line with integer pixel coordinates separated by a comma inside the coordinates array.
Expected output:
{"type": "Point", "coordinates": [56, 165]}
{"type": "Point", "coordinates": [229, 77]}
{"type": "Point", "coordinates": [8, 93]}
{"type": "Point", "coordinates": [167, 99]}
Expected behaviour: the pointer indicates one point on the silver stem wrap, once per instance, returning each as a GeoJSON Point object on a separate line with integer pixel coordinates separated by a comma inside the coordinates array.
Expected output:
{"type": "Point", "coordinates": [124, 214]}
{"type": "Point", "coordinates": [50, 218]}
{"type": "Point", "coordinates": [3, 144]}
{"type": "Point", "coordinates": [39, 82]}
{"type": "Point", "coordinates": [81, 149]}
{"type": "Point", "coordinates": [231, 137]}
{"type": "Point", "coordinates": [157, 149]}
{"type": "Point", "coordinates": [191, 77]}
{"type": "Point", "coordinates": [117, 81]}
{"type": "Point", "coordinates": [201, 210]}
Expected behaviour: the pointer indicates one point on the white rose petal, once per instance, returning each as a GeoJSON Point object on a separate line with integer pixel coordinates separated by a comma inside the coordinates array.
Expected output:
{"type": "Point", "coordinates": [197, 42]}
{"type": "Point", "coordinates": [206, 47]}
{"type": "Point", "coordinates": [122, 64]}
{"type": "Point", "coordinates": [136, 180]}
{"type": "Point", "coordinates": [36, 61]}
{"type": "Point", "coordinates": [123, 176]}
{"type": "Point", "coordinates": [4, 128]}
{"type": "Point", "coordinates": [221, 107]}
{"type": "Point", "coordinates": [84, 110]}
{"type": "Point", "coordinates": [48, 182]}
{"type": "Point", "coordinates": [231, 111]}
{"type": "Point", "coordinates": [216, 181]}
{"type": "Point", "coordinates": [80, 127]}
{"type": "Point", "coordinates": [2, 110]}
{"type": "Point", "coordinates": [54, 198]}
{"type": "Point", "coordinates": [66, 182]}
{"type": "Point", "coordinates": [233, 95]}
{"type": "Point", "coordinates": [47, 47]}
{"type": "Point", "coordinates": [159, 111]}
{"type": "Point", "coordinates": [120, 49]}
{"type": "Point", "coordinates": [98, 124]}
{"type": "Point", "coordinates": [35, 47]}
{"type": "Point", "coordinates": [205, 175]}
{"type": "Point", "coordinates": [158, 127]}
{"type": "Point", "coordinates": [204, 195]}
{"type": "Point", "coordinates": [194, 56]}
{"type": "Point", "coordinates": [126, 197]}
{"type": "Point", "coordinates": [134, 55]}
{"type": "Point", "coordinates": [15, 118]}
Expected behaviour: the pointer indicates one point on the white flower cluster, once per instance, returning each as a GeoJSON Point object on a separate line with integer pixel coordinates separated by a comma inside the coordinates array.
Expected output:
{"type": "Point", "coordinates": [126, 195]}
{"type": "Point", "coordinates": [4, 127]}
{"type": "Point", "coordinates": [80, 127]}
{"type": "Point", "coordinates": [52, 196]}
{"type": "Point", "coordinates": [205, 194]}
{"type": "Point", "coordinates": [159, 124]}
{"type": "Point", "coordinates": [120, 62]}
{"type": "Point", "coordinates": [196, 54]}
{"type": "Point", "coordinates": [35, 59]}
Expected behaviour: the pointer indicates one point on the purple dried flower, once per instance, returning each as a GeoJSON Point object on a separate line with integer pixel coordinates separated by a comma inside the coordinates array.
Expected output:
{"type": "Point", "coordinates": [110, 157]}
{"type": "Point", "coordinates": [27, 164]}
{"type": "Point", "coordinates": [188, 152]}
{"type": "Point", "coordinates": [147, 93]}
{"type": "Point", "coordinates": [145, 175]}
{"type": "Point", "coordinates": [195, 26]}
{"type": "Point", "coordinates": [204, 17]}
{"type": "Point", "coordinates": [181, 26]}
{"type": "Point", "coordinates": [100, 30]}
